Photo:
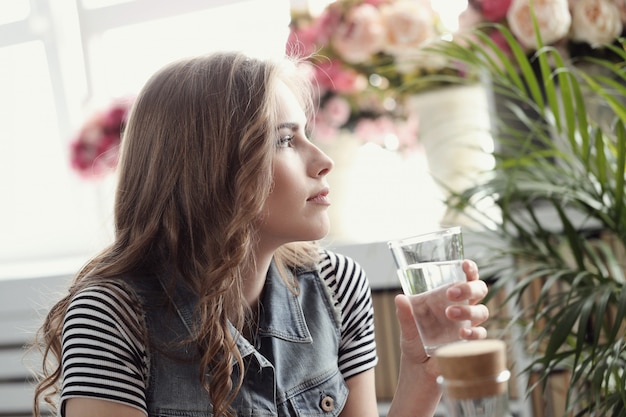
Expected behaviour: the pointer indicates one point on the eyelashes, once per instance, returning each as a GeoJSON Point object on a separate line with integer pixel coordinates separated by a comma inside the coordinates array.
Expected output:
{"type": "Point", "coordinates": [284, 141]}
{"type": "Point", "coordinates": [290, 132]}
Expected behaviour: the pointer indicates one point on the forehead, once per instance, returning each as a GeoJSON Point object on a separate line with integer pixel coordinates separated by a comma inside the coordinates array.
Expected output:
{"type": "Point", "coordinates": [289, 107]}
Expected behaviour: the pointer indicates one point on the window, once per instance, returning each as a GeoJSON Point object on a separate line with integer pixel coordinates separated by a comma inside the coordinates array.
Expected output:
{"type": "Point", "coordinates": [13, 10]}
{"type": "Point", "coordinates": [59, 60]}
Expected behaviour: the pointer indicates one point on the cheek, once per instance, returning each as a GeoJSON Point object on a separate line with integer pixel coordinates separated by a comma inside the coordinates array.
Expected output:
{"type": "Point", "coordinates": [285, 184]}
{"type": "Point", "coordinates": [277, 198]}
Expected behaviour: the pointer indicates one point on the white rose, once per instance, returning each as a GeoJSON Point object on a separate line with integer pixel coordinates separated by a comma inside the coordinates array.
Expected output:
{"type": "Point", "coordinates": [360, 35]}
{"type": "Point", "coordinates": [553, 18]}
{"type": "Point", "coordinates": [409, 24]}
{"type": "Point", "coordinates": [621, 6]}
{"type": "Point", "coordinates": [596, 22]}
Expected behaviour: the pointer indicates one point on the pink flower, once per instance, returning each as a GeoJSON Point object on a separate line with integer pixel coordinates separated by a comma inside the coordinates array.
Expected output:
{"type": "Point", "coordinates": [301, 42]}
{"type": "Point", "coordinates": [375, 130]}
{"type": "Point", "coordinates": [336, 111]}
{"type": "Point", "coordinates": [95, 149]}
{"type": "Point", "coordinates": [326, 24]}
{"type": "Point", "coordinates": [408, 131]}
{"type": "Point", "coordinates": [498, 38]}
{"type": "Point", "coordinates": [494, 10]}
{"type": "Point", "coordinates": [376, 3]}
{"type": "Point", "coordinates": [323, 132]}
{"type": "Point", "coordinates": [360, 35]}
{"type": "Point", "coordinates": [305, 39]}
{"type": "Point", "coordinates": [94, 152]}
{"type": "Point", "coordinates": [332, 75]}
{"type": "Point", "coordinates": [469, 18]}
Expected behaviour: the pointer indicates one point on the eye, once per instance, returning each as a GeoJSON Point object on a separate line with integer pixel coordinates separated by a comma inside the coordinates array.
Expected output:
{"type": "Point", "coordinates": [284, 141]}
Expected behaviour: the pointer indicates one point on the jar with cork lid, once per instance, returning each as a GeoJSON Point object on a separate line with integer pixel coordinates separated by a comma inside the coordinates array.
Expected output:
{"type": "Point", "coordinates": [474, 378]}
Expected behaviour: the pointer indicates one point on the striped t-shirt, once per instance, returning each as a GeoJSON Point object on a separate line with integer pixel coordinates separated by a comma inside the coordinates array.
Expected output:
{"type": "Point", "coordinates": [104, 355]}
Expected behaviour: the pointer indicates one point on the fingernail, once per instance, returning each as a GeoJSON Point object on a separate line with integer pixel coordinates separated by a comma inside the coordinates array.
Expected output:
{"type": "Point", "coordinates": [454, 312]}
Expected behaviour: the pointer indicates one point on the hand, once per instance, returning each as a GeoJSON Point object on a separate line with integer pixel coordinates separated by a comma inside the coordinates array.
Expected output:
{"type": "Point", "coordinates": [473, 290]}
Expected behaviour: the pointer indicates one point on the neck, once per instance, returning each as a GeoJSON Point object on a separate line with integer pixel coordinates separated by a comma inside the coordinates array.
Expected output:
{"type": "Point", "coordinates": [256, 276]}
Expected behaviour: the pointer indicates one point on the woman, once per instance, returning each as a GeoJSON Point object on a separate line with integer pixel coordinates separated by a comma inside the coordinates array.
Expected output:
{"type": "Point", "coordinates": [211, 300]}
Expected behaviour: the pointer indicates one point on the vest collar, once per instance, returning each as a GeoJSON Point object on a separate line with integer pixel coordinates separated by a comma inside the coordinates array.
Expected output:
{"type": "Point", "coordinates": [281, 314]}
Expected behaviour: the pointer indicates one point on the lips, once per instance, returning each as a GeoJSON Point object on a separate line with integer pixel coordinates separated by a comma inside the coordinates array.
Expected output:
{"type": "Point", "coordinates": [321, 197]}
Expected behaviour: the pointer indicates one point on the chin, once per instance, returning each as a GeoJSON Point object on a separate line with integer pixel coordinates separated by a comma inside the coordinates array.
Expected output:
{"type": "Point", "coordinates": [324, 230]}
{"type": "Point", "coordinates": [318, 234]}
{"type": "Point", "coordinates": [321, 236]}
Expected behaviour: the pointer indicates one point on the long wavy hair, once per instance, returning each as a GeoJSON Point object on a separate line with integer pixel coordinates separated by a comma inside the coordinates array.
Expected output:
{"type": "Point", "coordinates": [195, 170]}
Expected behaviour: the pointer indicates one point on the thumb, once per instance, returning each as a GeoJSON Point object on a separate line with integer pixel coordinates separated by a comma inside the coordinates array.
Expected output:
{"type": "Point", "coordinates": [410, 340]}
{"type": "Point", "coordinates": [405, 317]}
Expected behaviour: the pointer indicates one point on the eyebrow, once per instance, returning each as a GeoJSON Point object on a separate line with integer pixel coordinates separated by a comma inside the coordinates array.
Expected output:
{"type": "Point", "coordinates": [293, 126]}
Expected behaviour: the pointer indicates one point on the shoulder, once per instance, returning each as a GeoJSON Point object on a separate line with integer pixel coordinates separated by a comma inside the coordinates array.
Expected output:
{"type": "Point", "coordinates": [346, 280]}
{"type": "Point", "coordinates": [339, 271]}
{"type": "Point", "coordinates": [110, 307]}
{"type": "Point", "coordinates": [104, 346]}
{"type": "Point", "coordinates": [109, 297]}
{"type": "Point", "coordinates": [352, 295]}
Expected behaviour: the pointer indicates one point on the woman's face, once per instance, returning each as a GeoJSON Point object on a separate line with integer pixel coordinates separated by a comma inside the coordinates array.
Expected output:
{"type": "Point", "coordinates": [296, 209]}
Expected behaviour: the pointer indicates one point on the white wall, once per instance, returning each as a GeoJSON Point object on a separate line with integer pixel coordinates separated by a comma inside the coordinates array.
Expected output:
{"type": "Point", "coordinates": [59, 60]}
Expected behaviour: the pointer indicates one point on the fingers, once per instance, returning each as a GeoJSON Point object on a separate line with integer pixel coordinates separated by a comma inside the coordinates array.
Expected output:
{"type": "Point", "coordinates": [474, 333]}
{"type": "Point", "coordinates": [471, 270]}
{"type": "Point", "coordinates": [472, 291]}
{"type": "Point", "coordinates": [476, 314]}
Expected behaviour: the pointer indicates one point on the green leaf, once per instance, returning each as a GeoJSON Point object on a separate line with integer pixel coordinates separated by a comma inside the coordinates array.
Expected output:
{"type": "Point", "coordinates": [569, 163]}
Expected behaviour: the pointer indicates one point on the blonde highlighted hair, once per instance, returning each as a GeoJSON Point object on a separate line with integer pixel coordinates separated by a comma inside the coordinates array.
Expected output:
{"type": "Point", "coordinates": [195, 170]}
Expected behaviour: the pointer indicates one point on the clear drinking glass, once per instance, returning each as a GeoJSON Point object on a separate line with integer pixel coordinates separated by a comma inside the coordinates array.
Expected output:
{"type": "Point", "coordinates": [427, 266]}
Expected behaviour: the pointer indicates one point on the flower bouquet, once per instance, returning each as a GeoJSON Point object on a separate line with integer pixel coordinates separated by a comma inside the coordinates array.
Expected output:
{"type": "Point", "coordinates": [365, 57]}
{"type": "Point", "coordinates": [95, 149]}
{"type": "Point", "coordinates": [580, 31]}
{"type": "Point", "coordinates": [578, 28]}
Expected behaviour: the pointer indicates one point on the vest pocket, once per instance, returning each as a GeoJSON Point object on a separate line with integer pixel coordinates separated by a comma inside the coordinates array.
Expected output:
{"type": "Point", "coordinates": [325, 399]}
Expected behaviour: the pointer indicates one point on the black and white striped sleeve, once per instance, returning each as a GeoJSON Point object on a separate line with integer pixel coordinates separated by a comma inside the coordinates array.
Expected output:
{"type": "Point", "coordinates": [104, 354]}
{"type": "Point", "coordinates": [350, 287]}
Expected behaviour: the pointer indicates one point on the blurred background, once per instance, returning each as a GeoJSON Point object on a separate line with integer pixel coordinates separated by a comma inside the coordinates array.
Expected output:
{"type": "Point", "coordinates": [61, 61]}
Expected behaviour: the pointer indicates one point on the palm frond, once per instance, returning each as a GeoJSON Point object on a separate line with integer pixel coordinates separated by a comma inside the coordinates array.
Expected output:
{"type": "Point", "coordinates": [559, 183]}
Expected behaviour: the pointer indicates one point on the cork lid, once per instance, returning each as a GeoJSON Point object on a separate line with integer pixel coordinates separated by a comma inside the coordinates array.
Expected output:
{"type": "Point", "coordinates": [473, 369]}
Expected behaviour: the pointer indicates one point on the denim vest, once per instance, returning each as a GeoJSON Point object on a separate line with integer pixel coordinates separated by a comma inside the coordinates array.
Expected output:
{"type": "Point", "coordinates": [292, 370]}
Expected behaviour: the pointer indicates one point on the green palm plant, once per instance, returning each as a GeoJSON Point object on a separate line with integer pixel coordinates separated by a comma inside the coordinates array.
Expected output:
{"type": "Point", "coordinates": [559, 188]}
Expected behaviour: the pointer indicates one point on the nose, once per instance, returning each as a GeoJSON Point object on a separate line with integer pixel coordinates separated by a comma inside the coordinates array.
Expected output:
{"type": "Point", "coordinates": [322, 163]}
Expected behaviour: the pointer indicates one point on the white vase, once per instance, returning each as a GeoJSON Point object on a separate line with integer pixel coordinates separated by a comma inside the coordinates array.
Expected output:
{"type": "Point", "coordinates": [378, 194]}
{"type": "Point", "coordinates": [455, 132]}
